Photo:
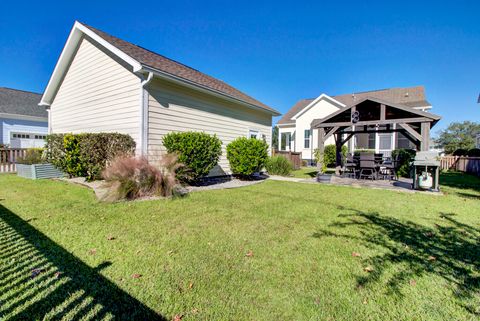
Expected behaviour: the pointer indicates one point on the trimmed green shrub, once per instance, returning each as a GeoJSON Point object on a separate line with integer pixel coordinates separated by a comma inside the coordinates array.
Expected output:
{"type": "Point", "coordinates": [86, 155]}
{"type": "Point", "coordinates": [404, 157]}
{"type": "Point", "coordinates": [32, 156]}
{"type": "Point", "coordinates": [279, 165]}
{"type": "Point", "coordinates": [198, 151]}
{"type": "Point", "coordinates": [363, 150]}
{"type": "Point", "coordinates": [247, 155]}
{"type": "Point", "coordinates": [330, 157]}
{"type": "Point", "coordinates": [73, 164]}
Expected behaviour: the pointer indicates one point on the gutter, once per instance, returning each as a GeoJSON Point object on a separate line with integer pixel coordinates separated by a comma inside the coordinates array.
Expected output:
{"type": "Point", "coordinates": [144, 113]}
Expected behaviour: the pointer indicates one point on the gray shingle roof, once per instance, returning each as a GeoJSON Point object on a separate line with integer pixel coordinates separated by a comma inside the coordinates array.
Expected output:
{"type": "Point", "coordinates": [409, 97]}
{"type": "Point", "coordinates": [172, 67]}
{"type": "Point", "coordinates": [19, 102]}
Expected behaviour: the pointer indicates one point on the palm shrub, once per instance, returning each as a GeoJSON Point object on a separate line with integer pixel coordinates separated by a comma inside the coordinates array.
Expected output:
{"type": "Point", "coordinates": [198, 151]}
{"type": "Point", "coordinates": [134, 177]}
{"type": "Point", "coordinates": [404, 158]}
{"type": "Point", "coordinates": [247, 155]}
{"type": "Point", "coordinates": [278, 165]}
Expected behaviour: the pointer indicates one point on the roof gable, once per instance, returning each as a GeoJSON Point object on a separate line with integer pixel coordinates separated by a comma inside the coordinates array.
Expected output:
{"type": "Point", "coordinates": [314, 102]}
{"type": "Point", "coordinates": [412, 97]}
{"type": "Point", "coordinates": [143, 60]}
{"type": "Point", "coordinates": [19, 102]}
{"type": "Point", "coordinates": [343, 115]}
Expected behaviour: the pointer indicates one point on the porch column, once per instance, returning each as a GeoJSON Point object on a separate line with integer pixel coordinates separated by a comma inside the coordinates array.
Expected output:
{"type": "Point", "coordinates": [425, 143]}
{"type": "Point", "coordinates": [321, 148]}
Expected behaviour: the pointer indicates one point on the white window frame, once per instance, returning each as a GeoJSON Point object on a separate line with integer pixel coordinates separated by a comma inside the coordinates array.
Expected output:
{"type": "Point", "coordinates": [252, 133]}
{"type": "Point", "coordinates": [32, 136]}
{"type": "Point", "coordinates": [307, 139]}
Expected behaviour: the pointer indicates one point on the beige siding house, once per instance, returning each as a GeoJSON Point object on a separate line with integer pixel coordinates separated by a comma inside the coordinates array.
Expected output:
{"type": "Point", "coordinates": [104, 84]}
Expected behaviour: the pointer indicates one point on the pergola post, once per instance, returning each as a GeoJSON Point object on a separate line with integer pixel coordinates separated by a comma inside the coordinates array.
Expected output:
{"type": "Point", "coordinates": [338, 154]}
{"type": "Point", "coordinates": [425, 142]}
{"type": "Point", "coordinates": [321, 148]}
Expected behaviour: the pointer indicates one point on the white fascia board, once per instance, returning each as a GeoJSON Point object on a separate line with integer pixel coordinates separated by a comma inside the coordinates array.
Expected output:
{"type": "Point", "coordinates": [286, 125]}
{"type": "Point", "coordinates": [23, 117]}
{"type": "Point", "coordinates": [66, 56]}
{"type": "Point", "coordinates": [322, 96]}
{"type": "Point", "coordinates": [193, 85]}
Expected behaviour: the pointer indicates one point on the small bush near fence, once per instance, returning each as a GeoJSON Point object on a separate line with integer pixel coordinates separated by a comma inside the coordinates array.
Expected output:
{"type": "Point", "coordinates": [279, 165]}
{"type": "Point", "coordinates": [32, 156]}
{"type": "Point", "coordinates": [87, 155]}
{"type": "Point", "coordinates": [198, 151]}
{"type": "Point", "coordinates": [330, 154]}
{"type": "Point", "coordinates": [404, 158]}
{"type": "Point", "coordinates": [247, 155]}
{"type": "Point", "coordinates": [133, 177]}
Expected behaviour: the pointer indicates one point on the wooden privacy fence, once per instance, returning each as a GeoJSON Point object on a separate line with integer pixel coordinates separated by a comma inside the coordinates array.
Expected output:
{"type": "Point", "coordinates": [8, 158]}
{"type": "Point", "coordinates": [469, 165]}
{"type": "Point", "coordinates": [294, 157]}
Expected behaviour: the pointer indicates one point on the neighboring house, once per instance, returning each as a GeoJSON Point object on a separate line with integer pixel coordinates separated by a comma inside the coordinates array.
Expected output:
{"type": "Point", "coordinates": [105, 84]}
{"type": "Point", "coordinates": [23, 123]}
{"type": "Point", "coordinates": [295, 133]}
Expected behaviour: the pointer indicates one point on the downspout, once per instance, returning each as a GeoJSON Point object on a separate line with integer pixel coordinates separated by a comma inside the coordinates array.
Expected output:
{"type": "Point", "coordinates": [144, 114]}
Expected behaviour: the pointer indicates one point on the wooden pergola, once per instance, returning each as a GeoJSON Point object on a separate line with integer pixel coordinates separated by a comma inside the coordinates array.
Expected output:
{"type": "Point", "coordinates": [372, 115]}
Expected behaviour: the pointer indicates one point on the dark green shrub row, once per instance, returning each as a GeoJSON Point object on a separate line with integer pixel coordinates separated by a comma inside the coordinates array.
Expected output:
{"type": "Point", "coordinates": [363, 150]}
{"type": "Point", "coordinates": [198, 151]}
{"type": "Point", "coordinates": [279, 165]}
{"type": "Point", "coordinates": [330, 157]}
{"type": "Point", "coordinates": [86, 155]}
{"type": "Point", "coordinates": [247, 155]}
{"type": "Point", "coordinates": [404, 158]}
{"type": "Point", "coordinates": [474, 152]}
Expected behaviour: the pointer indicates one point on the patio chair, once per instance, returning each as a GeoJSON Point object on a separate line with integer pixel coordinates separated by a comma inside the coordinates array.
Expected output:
{"type": "Point", "coordinates": [368, 168]}
{"type": "Point", "coordinates": [350, 167]}
{"type": "Point", "coordinates": [390, 169]}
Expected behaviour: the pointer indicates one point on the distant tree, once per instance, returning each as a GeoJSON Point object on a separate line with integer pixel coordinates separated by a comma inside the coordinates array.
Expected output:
{"type": "Point", "coordinates": [275, 137]}
{"type": "Point", "coordinates": [458, 136]}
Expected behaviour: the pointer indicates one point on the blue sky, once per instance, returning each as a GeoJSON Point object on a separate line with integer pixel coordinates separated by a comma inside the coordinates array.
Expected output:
{"type": "Point", "coordinates": [278, 52]}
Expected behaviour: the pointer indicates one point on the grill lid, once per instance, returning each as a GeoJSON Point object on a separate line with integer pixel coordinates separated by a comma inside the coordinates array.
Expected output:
{"type": "Point", "coordinates": [426, 159]}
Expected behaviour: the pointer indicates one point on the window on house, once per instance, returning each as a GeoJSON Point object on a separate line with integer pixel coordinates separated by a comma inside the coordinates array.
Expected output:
{"type": "Point", "coordinates": [371, 141]}
{"type": "Point", "coordinates": [253, 134]}
{"type": "Point", "coordinates": [306, 138]}
{"type": "Point", "coordinates": [21, 135]}
{"type": "Point", "coordinates": [403, 141]}
{"type": "Point", "coordinates": [385, 141]}
{"type": "Point", "coordinates": [285, 141]}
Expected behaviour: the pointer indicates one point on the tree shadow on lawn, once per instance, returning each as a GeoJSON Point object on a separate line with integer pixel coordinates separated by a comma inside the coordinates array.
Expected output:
{"type": "Point", "coordinates": [42, 280]}
{"type": "Point", "coordinates": [462, 184]}
{"type": "Point", "coordinates": [450, 250]}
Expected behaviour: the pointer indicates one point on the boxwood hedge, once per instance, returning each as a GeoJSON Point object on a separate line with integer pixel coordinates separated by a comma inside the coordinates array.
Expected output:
{"type": "Point", "coordinates": [86, 155]}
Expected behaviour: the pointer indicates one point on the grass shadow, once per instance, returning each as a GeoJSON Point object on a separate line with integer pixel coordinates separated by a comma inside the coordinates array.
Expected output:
{"type": "Point", "coordinates": [450, 250]}
{"type": "Point", "coordinates": [462, 184]}
{"type": "Point", "coordinates": [59, 285]}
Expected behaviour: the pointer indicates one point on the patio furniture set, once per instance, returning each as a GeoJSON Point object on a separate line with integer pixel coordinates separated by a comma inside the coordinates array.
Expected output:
{"type": "Point", "coordinates": [370, 166]}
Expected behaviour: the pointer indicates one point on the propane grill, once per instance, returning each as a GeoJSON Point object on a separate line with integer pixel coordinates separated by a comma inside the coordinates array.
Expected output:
{"type": "Point", "coordinates": [426, 171]}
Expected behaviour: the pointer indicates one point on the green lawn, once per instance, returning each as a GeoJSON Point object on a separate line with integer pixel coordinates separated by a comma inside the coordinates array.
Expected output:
{"type": "Point", "coordinates": [271, 251]}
